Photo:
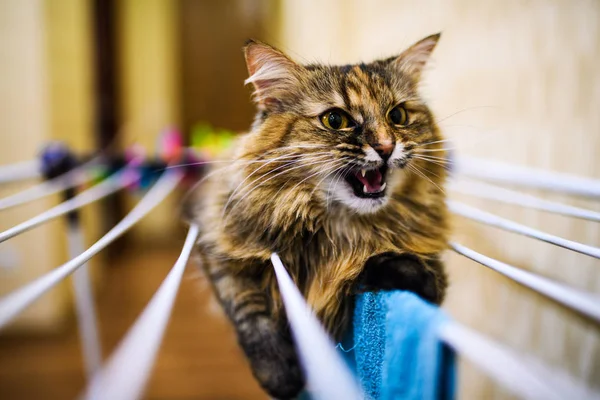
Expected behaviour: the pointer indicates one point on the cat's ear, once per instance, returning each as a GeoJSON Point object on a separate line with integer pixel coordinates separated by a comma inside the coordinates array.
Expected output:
{"type": "Point", "coordinates": [412, 60]}
{"type": "Point", "coordinates": [272, 73]}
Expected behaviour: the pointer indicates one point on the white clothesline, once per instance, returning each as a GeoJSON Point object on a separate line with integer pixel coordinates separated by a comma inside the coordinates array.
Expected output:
{"type": "Point", "coordinates": [14, 303]}
{"type": "Point", "coordinates": [327, 375]}
{"type": "Point", "coordinates": [75, 177]}
{"type": "Point", "coordinates": [511, 226]}
{"type": "Point", "coordinates": [19, 171]}
{"type": "Point", "coordinates": [84, 303]}
{"type": "Point", "coordinates": [126, 372]}
{"type": "Point", "coordinates": [533, 178]}
{"type": "Point", "coordinates": [110, 185]}
{"type": "Point", "coordinates": [497, 193]}
{"type": "Point", "coordinates": [583, 302]}
{"type": "Point", "coordinates": [523, 375]}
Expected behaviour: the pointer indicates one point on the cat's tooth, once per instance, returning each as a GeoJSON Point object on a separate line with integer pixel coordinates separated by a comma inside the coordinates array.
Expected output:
{"type": "Point", "coordinates": [364, 188]}
{"type": "Point", "coordinates": [382, 187]}
{"type": "Point", "coordinates": [363, 172]}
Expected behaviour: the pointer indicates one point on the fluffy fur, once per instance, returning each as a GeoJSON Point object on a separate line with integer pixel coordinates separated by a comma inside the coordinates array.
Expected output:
{"type": "Point", "coordinates": [285, 191]}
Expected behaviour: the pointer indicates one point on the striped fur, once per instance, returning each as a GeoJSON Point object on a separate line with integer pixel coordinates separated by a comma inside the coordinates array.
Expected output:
{"type": "Point", "coordinates": [284, 192]}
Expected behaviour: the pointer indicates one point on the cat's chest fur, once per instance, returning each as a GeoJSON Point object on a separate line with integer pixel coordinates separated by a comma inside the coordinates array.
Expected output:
{"type": "Point", "coordinates": [331, 236]}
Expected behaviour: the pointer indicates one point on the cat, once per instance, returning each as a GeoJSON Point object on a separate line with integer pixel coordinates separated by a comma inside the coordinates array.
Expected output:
{"type": "Point", "coordinates": [341, 174]}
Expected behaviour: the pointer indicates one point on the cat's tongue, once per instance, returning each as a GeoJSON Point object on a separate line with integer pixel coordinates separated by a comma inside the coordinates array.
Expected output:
{"type": "Point", "coordinates": [371, 180]}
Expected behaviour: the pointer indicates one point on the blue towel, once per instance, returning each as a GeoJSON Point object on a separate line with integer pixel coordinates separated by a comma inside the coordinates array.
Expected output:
{"type": "Point", "coordinates": [395, 350]}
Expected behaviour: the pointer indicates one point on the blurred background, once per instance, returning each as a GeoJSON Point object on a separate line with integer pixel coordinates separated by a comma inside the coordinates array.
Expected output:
{"type": "Point", "coordinates": [515, 81]}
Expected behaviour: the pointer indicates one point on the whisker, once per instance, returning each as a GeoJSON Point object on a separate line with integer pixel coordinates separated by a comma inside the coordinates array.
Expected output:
{"type": "Point", "coordinates": [305, 146]}
{"type": "Point", "coordinates": [329, 168]}
{"type": "Point", "coordinates": [239, 186]}
{"type": "Point", "coordinates": [434, 142]}
{"type": "Point", "coordinates": [259, 168]}
{"type": "Point", "coordinates": [469, 145]}
{"type": "Point", "coordinates": [430, 171]}
{"type": "Point", "coordinates": [417, 154]}
{"type": "Point", "coordinates": [232, 161]}
{"type": "Point", "coordinates": [286, 182]}
{"type": "Point", "coordinates": [339, 166]}
{"type": "Point", "coordinates": [284, 156]}
{"type": "Point", "coordinates": [193, 164]}
{"type": "Point", "coordinates": [435, 162]}
{"type": "Point", "coordinates": [436, 150]}
{"type": "Point", "coordinates": [204, 178]}
{"type": "Point", "coordinates": [441, 163]}
{"type": "Point", "coordinates": [474, 140]}
{"type": "Point", "coordinates": [339, 171]}
{"type": "Point", "coordinates": [461, 111]}
{"type": "Point", "coordinates": [273, 177]}
{"type": "Point", "coordinates": [339, 176]}
{"type": "Point", "coordinates": [316, 162]}
{"type": "Point", "coordinates": [415, 169]}
{"type": "Point", "coordinates": [300, 157]}
{"type": "Point", "coordinates": [301, 146]}
{"type": "Point", "coordinates": [335, 173]}
{"type": "Point", "coordinates": [304, 162]}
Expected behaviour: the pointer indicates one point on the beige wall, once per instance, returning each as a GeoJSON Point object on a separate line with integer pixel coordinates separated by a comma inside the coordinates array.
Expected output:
{"type": "Point", "coordinates": [148, 63]}
{"type": "Point", "coordinates": [45, 93]}
{"type": "Point", "coordinates": [513, 81]}
{"type": "Point", "coordinates": [148, 72]}
{"type": "Point", "coordinates": [24, 124]}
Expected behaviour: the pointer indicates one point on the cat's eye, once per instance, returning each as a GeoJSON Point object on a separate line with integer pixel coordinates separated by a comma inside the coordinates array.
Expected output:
{"type": "Point", "coordinates": [336, 119]}
{"type": "Point", "coordinates": [398, 115]}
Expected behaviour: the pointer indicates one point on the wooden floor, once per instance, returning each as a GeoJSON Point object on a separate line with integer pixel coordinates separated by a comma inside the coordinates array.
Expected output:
{"type": "Point", "coordinates": [199, 358]}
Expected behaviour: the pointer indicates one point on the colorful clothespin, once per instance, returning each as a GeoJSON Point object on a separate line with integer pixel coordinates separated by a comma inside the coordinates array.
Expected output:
{"type": "Point", "coordinates": [170, 146]}
{"type": "Point", "coordinates": [135, 157]}
{"type": "Point", "coordinates": [56, 159]}
{"type": "Point", "coordinates": [98, 173]}
{"type": "Point", "coordinates": [210, 142]}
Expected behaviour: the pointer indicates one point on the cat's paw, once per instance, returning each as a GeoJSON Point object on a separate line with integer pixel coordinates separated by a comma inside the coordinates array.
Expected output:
{"type": "Point", "coordinates": [390, 271]}
{"type": "Point", "coordinates": [274, 362]}
{"type": "Point", "coordinates": [281, 377]}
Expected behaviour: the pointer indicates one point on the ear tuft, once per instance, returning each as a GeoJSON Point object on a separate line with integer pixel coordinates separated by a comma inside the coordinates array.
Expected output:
{"type": "Point", "coordinates": [413, 60]}
{"type": "Point", "coordinates": [271, 72]}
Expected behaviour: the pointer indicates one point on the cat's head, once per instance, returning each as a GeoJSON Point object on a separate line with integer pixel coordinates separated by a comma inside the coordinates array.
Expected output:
{"type": "Point", "coordinates": [358, 127]}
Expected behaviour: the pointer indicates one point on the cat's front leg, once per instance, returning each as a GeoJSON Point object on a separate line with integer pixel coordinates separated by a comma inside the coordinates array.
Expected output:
{"type": "Point", "coordinates": [272, 357]}
{"type": "Point", "coordinates": [265, 341]}
{"type": "Point", "coordinates": [389, 271]}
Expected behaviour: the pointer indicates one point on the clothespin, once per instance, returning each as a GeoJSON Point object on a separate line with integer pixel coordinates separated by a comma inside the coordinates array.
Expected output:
{"type": "Point", "coordinates": [170, 146]}
{"type": "Point", "coordinates": [135, 157]}
{"type": "Point", "coordinates": [56, 160]}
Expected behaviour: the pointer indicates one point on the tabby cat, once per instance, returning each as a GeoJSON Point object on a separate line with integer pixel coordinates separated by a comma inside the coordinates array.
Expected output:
{"type": "Point", "coordinates": [342, 175]}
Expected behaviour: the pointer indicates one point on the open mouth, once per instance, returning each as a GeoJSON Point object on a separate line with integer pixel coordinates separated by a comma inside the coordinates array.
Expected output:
{"type": "Point", "coordinates": [368, 184]}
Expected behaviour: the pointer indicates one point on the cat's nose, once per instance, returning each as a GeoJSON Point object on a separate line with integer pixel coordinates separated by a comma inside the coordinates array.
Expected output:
{"type": "Point", "coordinates": [384, 150]}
